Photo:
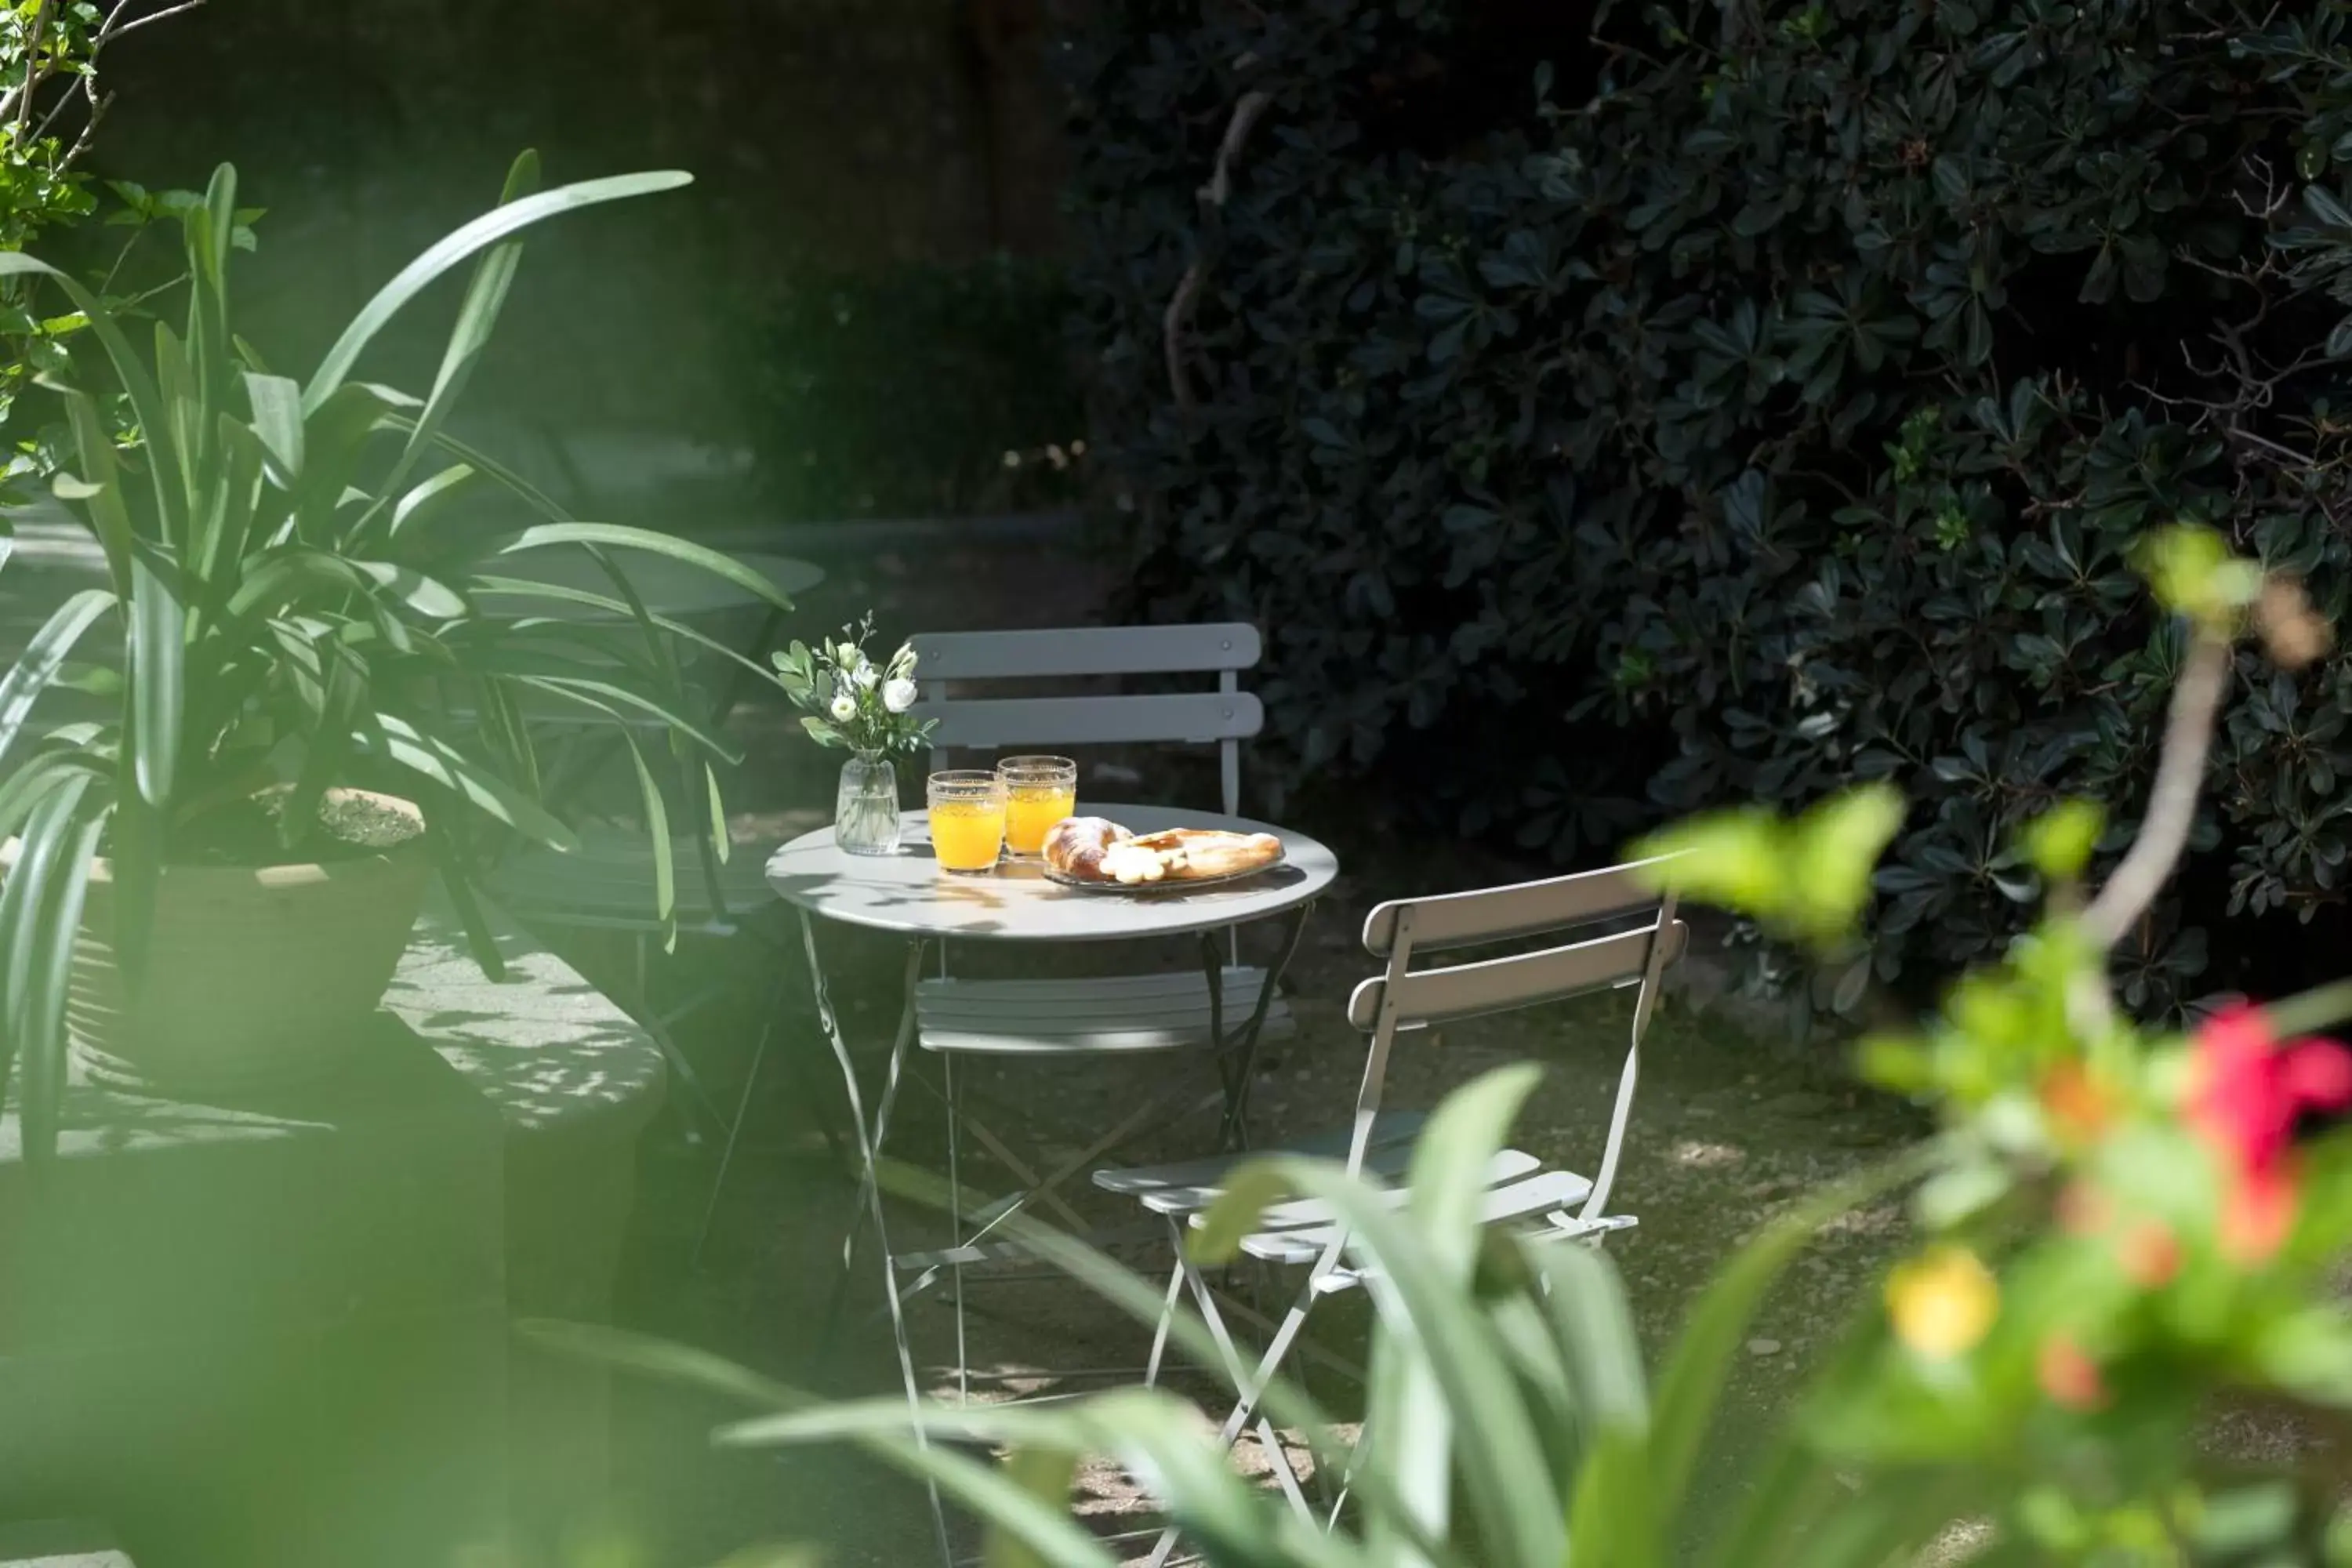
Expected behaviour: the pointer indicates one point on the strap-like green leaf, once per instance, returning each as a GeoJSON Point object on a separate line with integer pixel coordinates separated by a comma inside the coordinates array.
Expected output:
{"type": "Point", "coordinates": [1500, 1455]}
{"type": "Point", "coordinates": [344, 690]}
{"type": "Point", "coordinates": [110, 516]}
{"type": "Point", "coordinates": [158, 672]}
{"type": "Point", "coordinates": [477, 236]}
{"type": "Point", "coordinates": [1046, 1474]}
{"type": "Point", "coordinates": [557, 593]}
{"type": "Point", "coordinates": [657, 834]}
{"type": "Point", "coordinates": [445, 835]}
{"type": "Point", "coordinates": [45, 1049]}
{"type": "Point", "coordinates": [428, 496]}
{"type": "Point", "coordinates": [277, 403]}
{"type": "Point", "coordinates": [32, 1021]}
{"type": "Point", "coordinates": [136, 858]}
{"type": "Point", "coordinates": [611, 699]}
{"type": "Point", "coordinates": [619, 536]}
{"type": "Point", "coordinates": [289, 571]}
{"type": "Point", "coordinates": [485, 295]}
{"type": "Point", "coordinates": [401, 742]}
{"type": "Point", "coordinates": [38, 665]}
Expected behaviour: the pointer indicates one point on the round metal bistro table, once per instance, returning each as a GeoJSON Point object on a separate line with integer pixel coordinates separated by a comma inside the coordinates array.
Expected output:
{"type": "Point", "coordinates": [908, 895]}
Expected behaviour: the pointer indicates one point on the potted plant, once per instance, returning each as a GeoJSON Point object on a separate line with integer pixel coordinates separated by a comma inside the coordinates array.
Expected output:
{"type": "Point", "coordinates": [321, 687]}
{"type": "Point", "coordinates": [862, 707]}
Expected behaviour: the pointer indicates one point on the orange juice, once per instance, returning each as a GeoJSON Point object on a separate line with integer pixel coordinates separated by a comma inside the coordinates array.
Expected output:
{"type": "Point", "coordinates": [968, 835]}
{"type": "Point", "coordinates": [1031, 810]}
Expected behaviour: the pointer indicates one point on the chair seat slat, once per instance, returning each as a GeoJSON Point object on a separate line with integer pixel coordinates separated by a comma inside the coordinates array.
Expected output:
{"type": "Point", "coordinates": [1391, 1130]}
{"type": "Point", "coordinates": [1517, 1200]}
{"type": "Point", "coordinates": [981, 1005]}
{"type": "Point", "coordinates": [1033, 1041]}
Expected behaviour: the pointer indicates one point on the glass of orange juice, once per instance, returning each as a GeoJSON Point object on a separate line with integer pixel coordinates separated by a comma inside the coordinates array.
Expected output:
{"type": "Point", "coordinates": [967, 820]}
{"type": "Point", "coordinates": [1038, 793]}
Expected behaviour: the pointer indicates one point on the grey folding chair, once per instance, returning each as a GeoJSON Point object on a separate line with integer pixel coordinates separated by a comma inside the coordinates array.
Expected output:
{"type": "Point", "coordinates": [1153, 1012]}
{"type": "Point", "coordinates": [1598, 930]}
{"type": "Point", "coordinates": [1098, 1016]}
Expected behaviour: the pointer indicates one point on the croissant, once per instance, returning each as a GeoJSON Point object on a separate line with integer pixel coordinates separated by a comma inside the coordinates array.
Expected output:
{"type": "Point", "coordinates": [1076, 846]}
{"type": "Point", "coordinates": [1093, 849]}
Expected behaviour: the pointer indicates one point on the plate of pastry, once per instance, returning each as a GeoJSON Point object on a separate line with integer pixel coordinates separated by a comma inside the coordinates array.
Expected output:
{"type": "Point", "coordinates": [1100, 856]}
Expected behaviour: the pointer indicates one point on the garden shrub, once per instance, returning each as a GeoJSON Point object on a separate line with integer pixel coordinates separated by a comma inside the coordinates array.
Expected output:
{"type": "Point", "coordinates": [1611, 411]}
{"type": "Point", "coordinates": [900, 392]}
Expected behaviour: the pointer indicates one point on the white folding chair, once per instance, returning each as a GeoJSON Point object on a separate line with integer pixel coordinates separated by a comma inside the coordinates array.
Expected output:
{"type": "Point", "coordinates": [1600, 930]}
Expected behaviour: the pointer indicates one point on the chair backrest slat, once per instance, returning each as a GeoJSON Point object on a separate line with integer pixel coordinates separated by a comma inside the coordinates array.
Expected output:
{"type": "Point", "coordinates": [1525, 908]}
{"type": "Point", "coordinates": [1574, 914]}
{"type": "Point", "coordinates": [1499, 984]}
{"type": "Point", "coordinates": [1224, 718]}
{"type": "Point", "coordinates": [1085, 651]}
{"type": "Point", "coordinates": [1196, 717]}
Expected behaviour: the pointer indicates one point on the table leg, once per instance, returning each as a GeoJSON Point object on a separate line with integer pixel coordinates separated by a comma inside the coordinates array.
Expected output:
{"type": "Point", "coordinates": [1212, 970]}
{"type": "Point", "coordinates": [869, 1188]}
{"type": "Point", "coordinates": [1233, 1133]}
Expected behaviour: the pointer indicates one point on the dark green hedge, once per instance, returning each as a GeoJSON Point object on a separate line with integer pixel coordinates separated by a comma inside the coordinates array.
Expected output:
{"type": "Point", "coordinates": [898, 391]}
{"type": "Point", "coordinates": [1747, 398]}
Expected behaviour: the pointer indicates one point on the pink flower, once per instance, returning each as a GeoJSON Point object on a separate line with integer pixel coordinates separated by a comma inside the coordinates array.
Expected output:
{"type": "Point", "coordinates": [2250, 1089]}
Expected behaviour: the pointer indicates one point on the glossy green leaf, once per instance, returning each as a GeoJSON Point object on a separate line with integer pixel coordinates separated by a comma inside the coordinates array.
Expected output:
{"type": "Point", "coordinates": [427, 498]}
{"type": "Point", "coordinates": [34, 1015]}
{"type": "Point", "coordinates": [468, 240]}
{"type": "Point", "coordinates": [1501, 1458]}
{"type": "Point", "coordinates": [485, 297]}
{"type": "Point", "coordinates": [277, 403]}
{"type": "Point", "coordinates": [395, 739]}
{"type": "Point", "coordinates": [659, 841]}
{"type": "Point", "coordinates": [110, 518]}
{"type": "Point", "coordinates": [1046, 1474]}
{"type": "Point", "coordinates": [616, 536]}
{"type": "Point", "coordinates": [44, 655]}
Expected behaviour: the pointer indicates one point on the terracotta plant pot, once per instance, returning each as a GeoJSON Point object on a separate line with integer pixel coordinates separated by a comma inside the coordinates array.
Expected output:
{"type": "Point", "coordinates": [255, 978]}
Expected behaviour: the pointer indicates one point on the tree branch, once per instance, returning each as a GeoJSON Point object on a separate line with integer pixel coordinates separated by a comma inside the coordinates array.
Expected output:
{"type": "Point", "coordinates": [2172, 804]}
{"type": "Point", "coordinates": [111, 32]}
{"type": "Point", "coordinates": [1246, 111]}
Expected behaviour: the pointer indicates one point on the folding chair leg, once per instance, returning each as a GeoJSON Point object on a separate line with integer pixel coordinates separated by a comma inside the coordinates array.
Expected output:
{"type": "Point", "coordinates": [1250, 1386]}
{"type": "Point", "coordinates": [1167, 1318]}
{"type": "Point", "coordinates": [735, 1127]}
{"type": "Point", "coordinates": [955, 1227]}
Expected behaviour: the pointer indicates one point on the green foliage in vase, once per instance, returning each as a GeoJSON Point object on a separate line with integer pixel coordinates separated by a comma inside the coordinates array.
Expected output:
{"type": "Point", "coordinates": [1614, 410]}
{"type": "Point", "coordinates": [301, 592]}
{"type": "Point", "coordinates": [851, 702]}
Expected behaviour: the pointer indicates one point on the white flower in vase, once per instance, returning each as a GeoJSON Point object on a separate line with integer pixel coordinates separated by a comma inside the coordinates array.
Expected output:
{"type": "Point", "coordinates": [843, 709]}
{"type": "Point", "coordinates": [898, 695]}
{"type": "Point", "coordinates": [866, 675]}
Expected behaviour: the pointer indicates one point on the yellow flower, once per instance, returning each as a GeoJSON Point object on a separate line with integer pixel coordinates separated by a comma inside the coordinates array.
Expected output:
{"type": "Point", "coordinates": [1942, 1302]}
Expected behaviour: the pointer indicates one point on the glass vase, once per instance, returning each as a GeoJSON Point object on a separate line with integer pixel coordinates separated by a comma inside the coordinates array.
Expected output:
{"type": "Point", "coordinates": [865, 812]}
